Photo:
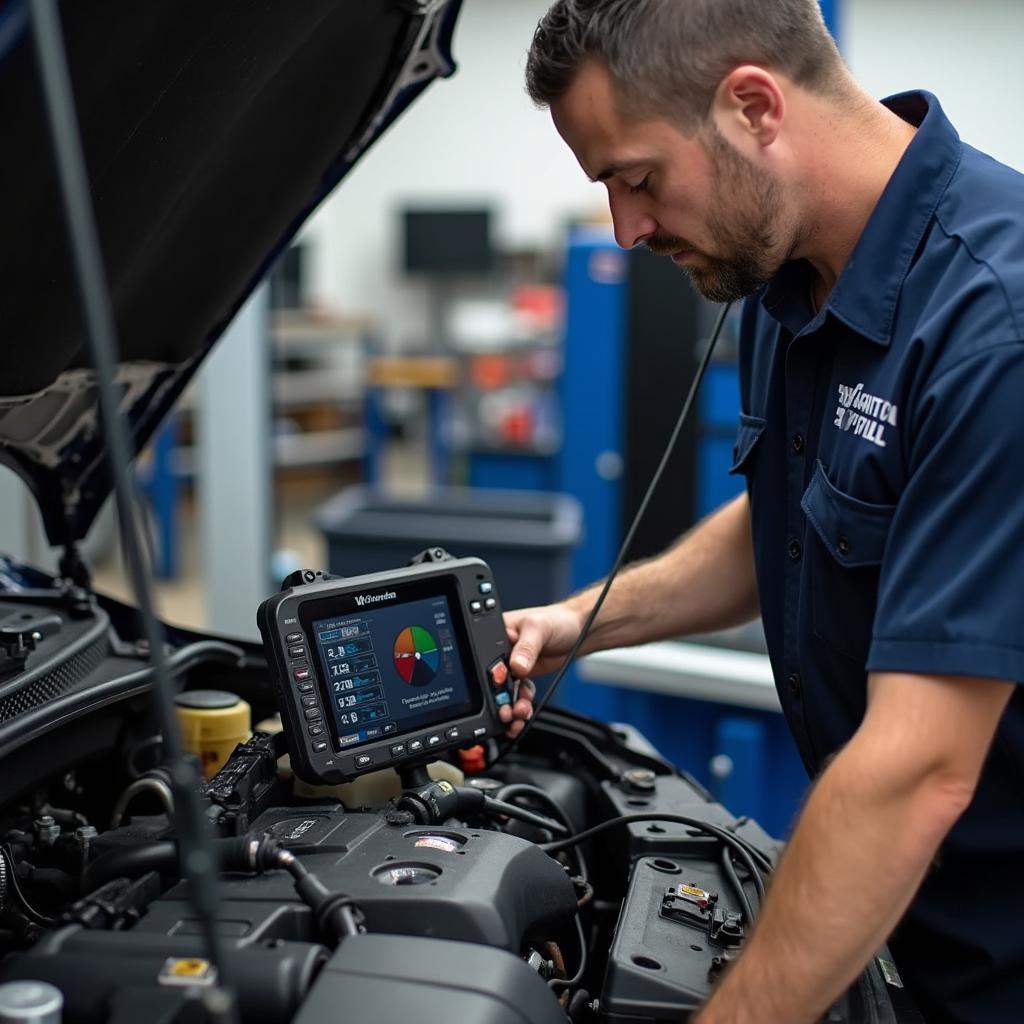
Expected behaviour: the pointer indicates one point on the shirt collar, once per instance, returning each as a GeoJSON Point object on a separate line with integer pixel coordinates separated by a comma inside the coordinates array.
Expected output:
{"type": "Point", "coordinates": [865, 296]}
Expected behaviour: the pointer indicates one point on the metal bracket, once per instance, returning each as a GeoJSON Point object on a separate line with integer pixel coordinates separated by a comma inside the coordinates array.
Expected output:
{"type": "Point", "coordinates": [20, 632]}
{"type": "Point", "coordinates": [425, 61]}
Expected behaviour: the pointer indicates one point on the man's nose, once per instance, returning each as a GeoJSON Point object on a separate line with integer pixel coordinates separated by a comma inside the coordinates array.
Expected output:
{"type": "Point", "coordinates": [632, 225]}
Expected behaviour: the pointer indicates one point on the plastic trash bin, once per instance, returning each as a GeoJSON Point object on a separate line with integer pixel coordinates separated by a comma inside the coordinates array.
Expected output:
{"type": "Point", "coordinates": [526, 537]}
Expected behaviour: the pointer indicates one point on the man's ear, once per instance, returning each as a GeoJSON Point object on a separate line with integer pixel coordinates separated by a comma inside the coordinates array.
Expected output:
{"type": "Point", "coordinates": [749, 107]}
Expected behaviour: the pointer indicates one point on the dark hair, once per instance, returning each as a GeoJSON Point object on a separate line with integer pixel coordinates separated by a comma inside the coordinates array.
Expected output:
{"type": "Point", "coordinates": [667, 57]}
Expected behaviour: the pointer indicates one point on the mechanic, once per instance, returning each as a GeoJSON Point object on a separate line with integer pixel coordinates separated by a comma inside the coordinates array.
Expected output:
{"type": "Point", "coordinates": [881, 535]}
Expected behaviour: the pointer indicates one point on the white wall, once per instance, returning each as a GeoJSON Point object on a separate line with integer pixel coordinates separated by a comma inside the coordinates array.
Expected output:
{"type": "Point", "coordinates": [471, 138]}
{"type": "Point", "coordinates": [970, 53]}
{"type": "Point", "coordinates": [476, 137]}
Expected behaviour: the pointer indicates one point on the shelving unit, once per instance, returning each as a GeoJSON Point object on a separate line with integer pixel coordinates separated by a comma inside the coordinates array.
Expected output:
{"type": "Point", "coordinates": [318, 383]}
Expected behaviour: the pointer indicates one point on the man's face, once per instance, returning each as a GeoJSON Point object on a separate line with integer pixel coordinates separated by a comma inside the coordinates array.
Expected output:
{"type": "Point", "coordinates": [696, 199]}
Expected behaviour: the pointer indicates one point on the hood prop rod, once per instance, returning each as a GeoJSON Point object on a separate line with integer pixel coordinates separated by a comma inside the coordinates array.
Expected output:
{"type": "Point", "coordinates": [197, 860]}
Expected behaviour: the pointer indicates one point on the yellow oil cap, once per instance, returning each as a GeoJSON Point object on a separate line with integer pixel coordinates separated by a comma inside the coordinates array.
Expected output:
{"type": "Point", "coordinates": [212, 723]}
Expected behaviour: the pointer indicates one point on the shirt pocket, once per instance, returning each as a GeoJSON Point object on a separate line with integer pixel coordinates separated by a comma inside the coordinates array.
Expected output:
{"type": "Point", "coordinates": [743, 451]}
{"type": "Point", "coordinates": [845, 565]}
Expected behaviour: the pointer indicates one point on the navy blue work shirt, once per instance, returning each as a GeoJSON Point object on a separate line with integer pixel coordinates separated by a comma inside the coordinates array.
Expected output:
{"type": "Point", "coordinates": [882, 440]}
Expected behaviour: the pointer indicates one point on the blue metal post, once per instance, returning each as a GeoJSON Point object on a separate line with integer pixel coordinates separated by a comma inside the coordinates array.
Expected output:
{"type": "Point", "coordinates": [163, 493]}
{"type": "Point", "coordinates": [589, 466]}
{"type": "Point", "coordinates": [830, 11]}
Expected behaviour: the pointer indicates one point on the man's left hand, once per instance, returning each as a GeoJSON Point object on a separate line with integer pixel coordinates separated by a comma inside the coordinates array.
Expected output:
{"type": "Point", "coordinates": [516, 716]}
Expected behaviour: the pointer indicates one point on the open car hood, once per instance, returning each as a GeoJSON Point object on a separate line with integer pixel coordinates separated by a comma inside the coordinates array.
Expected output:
{"type": "Point", "coordinates": [211, 132]}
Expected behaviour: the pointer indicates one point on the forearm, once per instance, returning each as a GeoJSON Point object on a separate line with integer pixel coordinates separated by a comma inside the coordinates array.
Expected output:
{"type": "Point", "coordinates": [702, 583]}
{"type": "Point", "coordinates": [858, 855]}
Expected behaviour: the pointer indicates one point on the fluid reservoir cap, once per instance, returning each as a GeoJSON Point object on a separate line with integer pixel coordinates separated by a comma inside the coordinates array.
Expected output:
{"type": "Point", "coordinates": [212, 723]}
{"type": "Point", "coordinates": [642, 779]}
{"type": "Point", "coordinates": [406, 874]}
{"type": "Point", "coordinates": [206, 700]}
{"type": "Point", "coordinates": [37, 1002]}
{"type": "Point", "coordinates": [488, 785]}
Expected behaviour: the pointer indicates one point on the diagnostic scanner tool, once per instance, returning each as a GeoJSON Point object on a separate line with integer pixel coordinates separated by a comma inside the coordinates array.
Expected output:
{"type": "Point", "coordinates": [389, 669]}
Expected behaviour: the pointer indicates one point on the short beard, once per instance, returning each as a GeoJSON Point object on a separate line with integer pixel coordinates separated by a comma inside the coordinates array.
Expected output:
{"type": "Point", "coordinates": [741, 224]}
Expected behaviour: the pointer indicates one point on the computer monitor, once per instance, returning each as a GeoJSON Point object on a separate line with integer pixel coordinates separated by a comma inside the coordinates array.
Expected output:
{"type": "Point", "coordinates": [443, 242]}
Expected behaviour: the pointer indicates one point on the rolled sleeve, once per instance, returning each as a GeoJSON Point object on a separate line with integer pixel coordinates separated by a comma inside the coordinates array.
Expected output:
{"type": "Point", "coordinates": [951, 591]}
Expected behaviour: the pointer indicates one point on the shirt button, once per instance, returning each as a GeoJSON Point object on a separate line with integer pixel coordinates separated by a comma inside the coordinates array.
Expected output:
{"type": "Point", "coordinates": [793, 682]}
{"type": "Point", "coordinates": [843, 545]}
{"type": "Point", "coordinates": [795, 549]}
{"type": "Point", "coordinates": [798, 443]}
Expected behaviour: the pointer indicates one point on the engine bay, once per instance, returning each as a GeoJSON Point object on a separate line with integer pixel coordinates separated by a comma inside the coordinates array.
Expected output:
{"type": "Point", "coordinates": [580, 877]}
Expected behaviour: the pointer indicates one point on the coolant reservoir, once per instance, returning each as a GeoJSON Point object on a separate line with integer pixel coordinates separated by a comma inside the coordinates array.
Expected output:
{"type": "Point", "coordinates": [212, 723]}
{"type": "Point", "coordinates": [30, 1002]}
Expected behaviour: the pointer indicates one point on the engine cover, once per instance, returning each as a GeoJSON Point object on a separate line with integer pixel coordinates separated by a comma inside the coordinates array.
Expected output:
{"type": "Point", "coordinates": [452, 883]}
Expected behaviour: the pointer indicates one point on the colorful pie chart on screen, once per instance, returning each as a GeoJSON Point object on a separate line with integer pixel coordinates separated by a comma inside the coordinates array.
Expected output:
{"type": "Point", "coordinates": [416, 656]}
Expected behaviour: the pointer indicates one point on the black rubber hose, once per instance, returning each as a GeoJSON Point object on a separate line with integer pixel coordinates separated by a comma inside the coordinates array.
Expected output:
{"type": "Point", "coordinates": [492, 807]}
{"type": "Point", "coordinates": [237, 853]}
{"type": "Point", "coordinates": [726, 837]}
{"type": "Point", "coordinates": [335, 912]}
{"type": "Point", "coordinates": [572, 982]}
{"type": "Point", "coordinates": [514, 789]}
{"type": "Point", "coordinates": [509, 792]}
{"type": "Point", "coordinates": [131, 862]}
{"type": "Point", "coordinates": [733, 879]}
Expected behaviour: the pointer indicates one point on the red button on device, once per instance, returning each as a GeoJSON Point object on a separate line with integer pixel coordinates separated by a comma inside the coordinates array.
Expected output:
{"type": "Point", "coordinates": [472, 760]}
{"type": "Point", "coordinates": [499, 673]}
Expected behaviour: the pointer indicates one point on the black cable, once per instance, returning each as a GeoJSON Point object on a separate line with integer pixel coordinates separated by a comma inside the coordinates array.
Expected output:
{"type": "Point", "coordinates": [630, 534]}
{"type": "Point", "coordinates": [759, 855]}
{"type": "Point", "coordinates": [733, 879]}
{"type": "Point", "coordinates": [587, 895]}
{"type": "Point", "coordinates": [581, 970]}
{"type": "Point", "coordinates": [30, 912]}
{"type": "Point", "coordinates": [612, 772]}
{"type": "Point", "coordinates": [161, 856]}
{"type": "Point", "coordinates": [492, 806]}
{"type": "Point", "coordinates": [514, 789]}
{"type": "Point", "coordinates": [706, 827]}
{"type": "Point", "coordinates": [197, 860]}
{"type": "Point", "coordinates": [335, 912]}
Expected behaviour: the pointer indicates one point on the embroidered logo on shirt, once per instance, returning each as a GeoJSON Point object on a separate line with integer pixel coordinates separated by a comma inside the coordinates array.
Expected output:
{"type": "Point", "coordinates": [864, 415]}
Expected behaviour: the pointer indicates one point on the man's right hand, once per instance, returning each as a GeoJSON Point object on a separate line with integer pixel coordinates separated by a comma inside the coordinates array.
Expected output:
{"type": "Point", "coordinates": [541, 637]}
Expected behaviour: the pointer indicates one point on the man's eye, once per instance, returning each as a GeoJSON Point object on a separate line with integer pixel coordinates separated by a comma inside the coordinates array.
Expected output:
{"type": "Point", "coordinates": [641, 186]}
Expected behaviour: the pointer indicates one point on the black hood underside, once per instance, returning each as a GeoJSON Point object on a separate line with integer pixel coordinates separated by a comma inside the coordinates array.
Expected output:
{"type": "Point", "coordinates": [211, 130]}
